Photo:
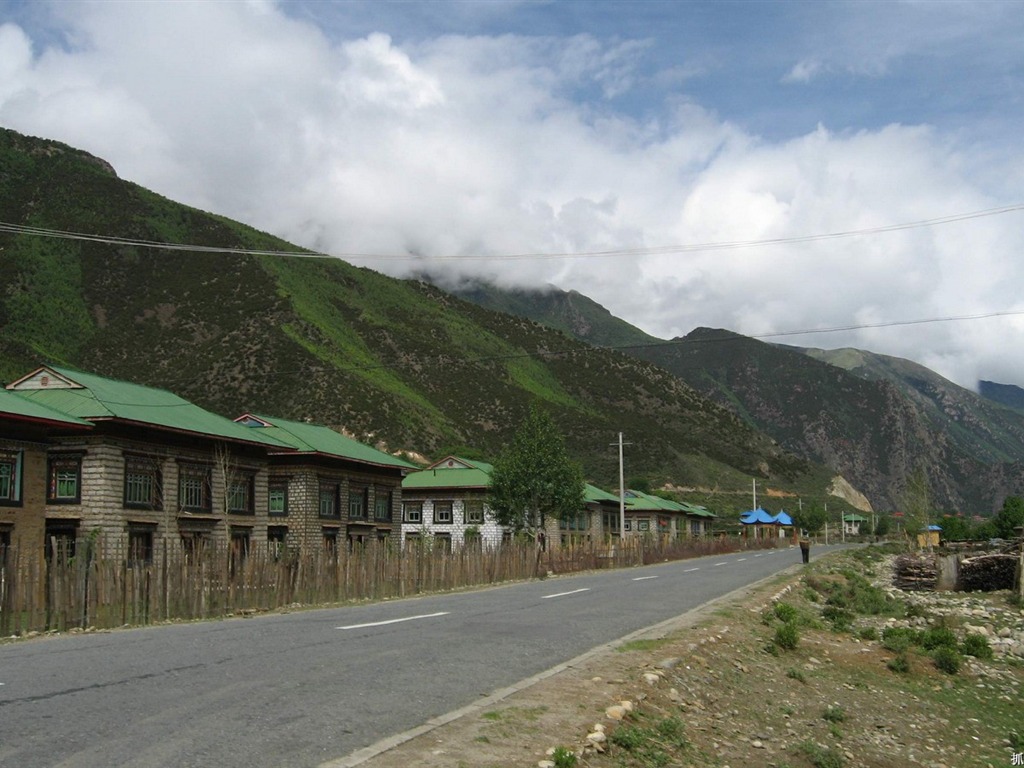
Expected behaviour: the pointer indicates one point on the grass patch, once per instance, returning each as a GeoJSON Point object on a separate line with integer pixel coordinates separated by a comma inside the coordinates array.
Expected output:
{"type": "Point", "coordinates": [643, 645]}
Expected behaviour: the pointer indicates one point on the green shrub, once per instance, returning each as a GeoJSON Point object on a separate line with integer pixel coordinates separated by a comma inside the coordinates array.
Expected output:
{"type": "Point", "coordinates": [785, 612]}
{"type": "Point", "coordinates": [834, 713]}
{"type": "Point", "coordinates": [796, 674]}
{"type": "Point", "coordinates": [821, 757]}
{"type": "Point", "coordinates": [867, 633]}
{"type": "Point", "coordinates": [947, 659]}
{"type": "Point", "coordinates": [937, 637]}
{"type": "Point", "coordinates": [787, 636]}
{"type": "Point", "coordinates": [976, 645]}
{"type": "Point", "coordinates": [898, 639]}
{"type": "Point", "coordinates": [840, 618]}
{"type": "Point", "coordinates": [563, 758]}
{"type": "Point", "coordinates": [899, 663]}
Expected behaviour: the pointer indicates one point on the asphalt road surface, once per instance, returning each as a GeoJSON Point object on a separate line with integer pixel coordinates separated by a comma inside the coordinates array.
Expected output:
{"type": "Point", "coordinates": [305, 688]}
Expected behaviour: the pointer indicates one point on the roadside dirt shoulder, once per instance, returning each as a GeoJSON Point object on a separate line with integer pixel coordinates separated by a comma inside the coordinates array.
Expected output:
{"type": "Point", "coordinates": [831, 701]}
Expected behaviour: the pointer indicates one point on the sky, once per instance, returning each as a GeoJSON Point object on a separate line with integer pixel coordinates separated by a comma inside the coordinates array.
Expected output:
{"type": "Point", "coordinates": [852, 169]}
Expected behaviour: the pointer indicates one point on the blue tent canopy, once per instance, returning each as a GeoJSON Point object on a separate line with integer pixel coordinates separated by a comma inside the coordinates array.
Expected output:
{"type": "Point", "coordinates": [757, 516]}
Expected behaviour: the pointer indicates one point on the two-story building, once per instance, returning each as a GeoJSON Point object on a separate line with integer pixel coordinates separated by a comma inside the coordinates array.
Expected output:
{"type": "Point", "coordinates": [140, 467]}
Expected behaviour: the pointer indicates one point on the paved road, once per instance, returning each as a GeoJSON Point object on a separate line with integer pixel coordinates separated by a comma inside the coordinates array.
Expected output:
{"type": "Point", "coordinates": [306, 688]}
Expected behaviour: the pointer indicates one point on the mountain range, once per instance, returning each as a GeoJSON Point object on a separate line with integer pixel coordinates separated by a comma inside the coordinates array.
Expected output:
{"type": "Point", "coordinates": [106, 276]}
{"type": "Point", "coordinates": [873, 419]}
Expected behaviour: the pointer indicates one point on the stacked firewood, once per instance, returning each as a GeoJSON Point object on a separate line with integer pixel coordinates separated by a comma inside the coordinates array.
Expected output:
{"type": "Point", "coordinates": [915, 573]}
{"type": "Point", "coordinates": [987, 573]}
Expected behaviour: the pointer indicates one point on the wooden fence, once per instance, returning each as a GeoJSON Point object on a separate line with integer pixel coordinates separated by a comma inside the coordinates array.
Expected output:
{"type": "Point", "coordinates": [101, 587]}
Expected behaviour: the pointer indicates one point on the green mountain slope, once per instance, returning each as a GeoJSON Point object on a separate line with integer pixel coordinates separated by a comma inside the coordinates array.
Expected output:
{"type": "Point", "coordinates": [400, 364]}
{"type": "Point", "coordinates": [872, 419]}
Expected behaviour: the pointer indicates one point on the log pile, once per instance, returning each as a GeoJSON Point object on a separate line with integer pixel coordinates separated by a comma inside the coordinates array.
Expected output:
{"type": "Point", "coordinates": [987, 573]}
{"type": "Point", "coordinates": [915, 573]}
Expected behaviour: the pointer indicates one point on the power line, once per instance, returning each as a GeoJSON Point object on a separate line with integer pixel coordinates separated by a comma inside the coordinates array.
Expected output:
{"type": "Point", "coordinates": [18, 229]}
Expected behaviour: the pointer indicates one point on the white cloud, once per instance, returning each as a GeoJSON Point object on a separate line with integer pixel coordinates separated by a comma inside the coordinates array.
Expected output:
{"type": "Point", "coordinates": [470, 146]}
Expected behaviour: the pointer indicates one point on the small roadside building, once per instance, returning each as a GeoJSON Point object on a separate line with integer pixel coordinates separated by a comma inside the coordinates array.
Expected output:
{"type": "Point", "coordinates": [852, 524]}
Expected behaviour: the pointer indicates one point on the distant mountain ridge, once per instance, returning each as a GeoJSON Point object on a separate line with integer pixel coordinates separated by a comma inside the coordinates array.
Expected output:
{"type": "Point", "coordinates": [399, 364]}
{"type": "Point", "coordinates": [873, 419]}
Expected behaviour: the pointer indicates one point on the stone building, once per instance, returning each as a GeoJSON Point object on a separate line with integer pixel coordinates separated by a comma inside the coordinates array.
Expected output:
{"type": "Point", "coordinates": [141, 468]}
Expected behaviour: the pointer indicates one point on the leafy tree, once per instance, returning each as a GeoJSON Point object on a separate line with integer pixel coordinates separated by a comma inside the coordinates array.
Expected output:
{"type": "Point", "coordinates": [811, 518]}
{"type": "Point", "coordinates": [534, 478]}
{"type": "Point", "coordinates": [882, 525]}
{"type": "Point", "coordinates": [955, 528]}
{"type": "Point", "coordinates": [1009, 517]}
{"type": "Point", "coordinates": [916, 503]}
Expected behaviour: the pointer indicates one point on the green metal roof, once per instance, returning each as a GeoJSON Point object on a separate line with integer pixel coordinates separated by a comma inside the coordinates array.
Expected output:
{"type": "Point", "coordinates": [646, 502]}
{"type": "Point", "coordinates": [314, 438]}
{"type": "Point", "coordinates": [595, 495]}
{"type": "Point", "coordinates": [14, 404]}
{"type": "Point", "coordinates": [97, 398]}
{"type": "Point", "coordinates": [447, 478]}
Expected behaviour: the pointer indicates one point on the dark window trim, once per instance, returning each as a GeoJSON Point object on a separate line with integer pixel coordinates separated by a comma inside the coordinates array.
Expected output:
{"type": "Point", "coordinates": [405, 512]}
{"type": "Point", "coordinates": [248, 481]}
{"type": "Point", "coordinates": [153, 463]}
{"type": "Point", "coordinates": [52, 460]}
{"type": "Point", "coordinates": [17, 459]}
{"type": "Point", "coordinates": [272, 485]}
{"type": "Point", "coordinates": [450, 509]}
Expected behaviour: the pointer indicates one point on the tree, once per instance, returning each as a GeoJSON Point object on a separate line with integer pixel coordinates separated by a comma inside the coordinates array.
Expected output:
{"type": "Point", "coordinates": [534, 478]}
{"type": "Point", "coordinates": [916, 503]}
{"type": "Point", "coordinates": [811, 518]}
{"type": "Point", "coordinates": [1009, 517]}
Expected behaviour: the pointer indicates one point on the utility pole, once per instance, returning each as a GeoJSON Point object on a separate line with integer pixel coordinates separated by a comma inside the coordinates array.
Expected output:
{"type": "Point", "coordinates": [622, 492]}
{"type": "Point", "coordinates": [754, 481]}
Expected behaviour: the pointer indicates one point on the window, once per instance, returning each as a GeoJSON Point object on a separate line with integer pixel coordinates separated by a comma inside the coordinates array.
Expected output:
{"type": "Point", "coordinates": [358, 498]}
{"type": "Point", "coordinates": [5, 544]}
{"type": "Point", "coordinates": [140, 544]}
{"type": "Point", "coordinates": [141, 483]}
{"type": "Point", "coordinates": [412, 512]}
{"type": "Point", "coordinates": [240, 538]}
{"type": "Point", "coordinates": [695, 528]}
{"type": "Point", "coordinates": [473, 513]}
{"type": "Point", "coordinates": [194, 488]}
{"type": "Point", "coordinates": [61, 536]}
{"type": "Point", "coordinates": [329, 500]}
{"type": "Point", "coordinates": [331, 543]}
{"type": "Point", "coordinates": [578, 521]}
{"type": "Point", "coordinates": [10, 478]}
{"type": "Point", "coordinates": [610, 522]}
{"type": "Point", "coordinates": [277, 498]}
{"type": "Point", "coordinates": [193, 545]}
{"type": "Point", "coordinates": [64, 485]}
{"type": "Point", "coordinates": [382, 505]}
{"type": "Point", "coordinates": [443, 512]}
{"type": "Point", "coordinates": [643, 525]}
{"type": "Point", "coordinates": [240, 495]}
{"type": "Point", "coordinates": [277, 539]}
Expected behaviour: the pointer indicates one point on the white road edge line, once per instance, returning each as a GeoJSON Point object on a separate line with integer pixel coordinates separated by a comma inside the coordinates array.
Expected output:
{"type": "Point", "coordinates": [393, 621]}
{"type": "Point", "coordinates": [563, 594]}
{"type": "Point", "coordinates": [644, 578]}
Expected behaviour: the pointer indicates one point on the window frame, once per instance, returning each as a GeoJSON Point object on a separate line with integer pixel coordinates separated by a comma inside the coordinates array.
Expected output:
{"type": "Point", "coordinates": [240, 494]}
{"type": "Point", "coordinates": [408, 507]}
{"type": "Point", "coordinates": [147, 467]}
{"type": "Point", "coordinates": [141, 544]}
{"type": "Point", "coordinates": [473, 512]}
{"type": "Point", "coordinates": [328, 492]}
{"type": "Point", "coordinates": [274, 486]}
{"type": "Point", "coordinates": [15, 460]}
{"type": "Point", "coordinates": [54, 463]}
{"type": "Point", "coordinates": [447, 507]}
{"type": "Point", "coordinates": [358, 502]}
{"type": "Point", "coordinates": [382, 502]}
{"type": "Point", "coordinates": [194, 477]}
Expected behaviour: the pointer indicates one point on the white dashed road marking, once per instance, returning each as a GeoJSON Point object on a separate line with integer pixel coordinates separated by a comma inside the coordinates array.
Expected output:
{"type": "Point", "coordinates": [393, 621]}
{"type": "Point", "coordinates": [563, 594]}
